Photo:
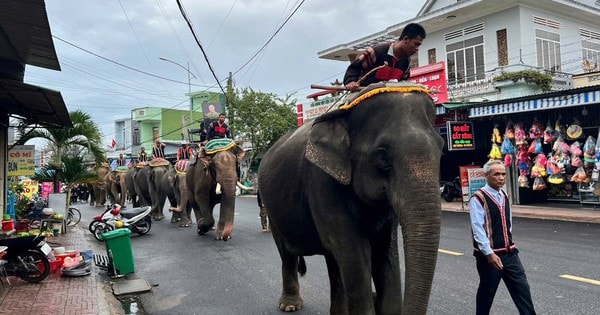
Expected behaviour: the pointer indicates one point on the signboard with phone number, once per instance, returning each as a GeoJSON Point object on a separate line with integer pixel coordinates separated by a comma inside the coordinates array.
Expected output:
{"type": "Point", "coordinates": [460, 135]}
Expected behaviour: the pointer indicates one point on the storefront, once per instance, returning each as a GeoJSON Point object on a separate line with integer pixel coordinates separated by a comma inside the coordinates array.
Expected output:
{"type": "Point", "coordinates": [544, 140]}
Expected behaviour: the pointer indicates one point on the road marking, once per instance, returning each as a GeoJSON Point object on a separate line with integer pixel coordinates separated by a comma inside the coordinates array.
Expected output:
{"type": "Point", "coordinates": [443, 251]}
{"type": "Point", "coordinates": [586, 280]}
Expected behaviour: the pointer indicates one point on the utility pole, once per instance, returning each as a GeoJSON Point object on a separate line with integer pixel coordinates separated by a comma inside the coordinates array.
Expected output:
{"type": "Point", "coordinates": [190, 119]}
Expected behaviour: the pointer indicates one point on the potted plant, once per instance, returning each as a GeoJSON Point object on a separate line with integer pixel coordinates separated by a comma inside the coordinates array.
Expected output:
{"type": "Point", "coordinates": [542, 80]}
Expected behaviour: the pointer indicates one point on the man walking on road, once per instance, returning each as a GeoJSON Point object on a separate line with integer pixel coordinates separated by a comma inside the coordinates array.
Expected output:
{"type": "Point", "coordinates": [496, 254]}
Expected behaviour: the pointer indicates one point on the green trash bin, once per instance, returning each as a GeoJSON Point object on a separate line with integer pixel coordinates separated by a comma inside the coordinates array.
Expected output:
{"type": "Point", "coordinates": [118, 244]}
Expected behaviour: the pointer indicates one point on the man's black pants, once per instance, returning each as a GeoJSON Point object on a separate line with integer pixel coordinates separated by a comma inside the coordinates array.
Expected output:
{"type": "Point", "coordinates": [514, 278]}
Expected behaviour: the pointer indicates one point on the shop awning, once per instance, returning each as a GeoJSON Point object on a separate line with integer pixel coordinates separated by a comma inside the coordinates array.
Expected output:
{"type": "Point", "coordinates": [552, 100]}
{"type": "Point", "coordinates": [36, 104]}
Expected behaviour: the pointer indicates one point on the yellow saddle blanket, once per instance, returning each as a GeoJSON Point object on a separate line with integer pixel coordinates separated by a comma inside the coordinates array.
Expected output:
{"type": "Point", "coordinates": [376, 88]}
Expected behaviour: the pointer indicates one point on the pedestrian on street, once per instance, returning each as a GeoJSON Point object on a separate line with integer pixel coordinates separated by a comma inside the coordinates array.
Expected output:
{"type": "Point", "coordinates": [496, 255]}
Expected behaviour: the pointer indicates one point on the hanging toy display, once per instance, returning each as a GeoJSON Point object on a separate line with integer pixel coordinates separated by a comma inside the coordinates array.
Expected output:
{"type": "Point", "coordinates": [495, 153]}
{"type": "Point", "coordinates": [496, 136]}
{"type": "Point", "coordinates": [575, 149]}
{"type": "Point", "coordinates": [589, 152]}
{"type": "Point", "coordinates": [510, 131]}
{"type": "Point", "coordinates": [549, 134]}
{"type": "Point", "coordinates": [536, 130]}
{"type": "Point", "coordinates": [520, 135]}
{"type": "Point", "coordinates": [560, 129]}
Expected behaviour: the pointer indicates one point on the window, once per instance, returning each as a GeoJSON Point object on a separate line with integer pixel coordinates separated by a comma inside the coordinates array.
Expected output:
{"type": "Point", "coordinates": [136, 136]}
{"type": "Point", "coordinates": [502, 41]}
{"type": "Point", "coordinates": [465, 61]}
{"type": "Point", "coordinates": [590, 46]}
{"type": "Point", "coordinates": [431, 56]}
{"type": "Point", "coordinates": [548, 50]}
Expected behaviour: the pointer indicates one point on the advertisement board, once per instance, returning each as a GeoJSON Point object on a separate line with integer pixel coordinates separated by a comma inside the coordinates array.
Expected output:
{"type": "Point", "coordinates": [464, 180]}
{"type": "Point", "coordinates": [21, 160]}
{"type": "Point", "coordinates": [476, 180]}
{"type": "Point", "coordinates": [460, 135]}
{"type": "Point", "coordinates": [433, 76]}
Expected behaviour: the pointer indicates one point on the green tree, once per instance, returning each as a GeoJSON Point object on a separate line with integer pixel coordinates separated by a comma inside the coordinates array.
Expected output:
{"type": "Point", "coordinates": [70, 171]}
{"type": "Point", "coordinates": [260, 118]}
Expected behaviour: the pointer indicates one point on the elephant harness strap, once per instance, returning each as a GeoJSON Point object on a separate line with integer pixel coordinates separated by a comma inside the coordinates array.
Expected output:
{"type": "Point", "coordinates": [396, 87]}
{"type": "Point", "coordinates": [181, 166]}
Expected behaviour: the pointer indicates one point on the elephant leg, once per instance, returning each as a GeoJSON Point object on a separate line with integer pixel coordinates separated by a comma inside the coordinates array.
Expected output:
{"type": "Point", "coordinates": [264, 220]}
{"type": "Point", "coordinates": [290, 300]}
{"type": "Point", "coordinates": [206, 221]}
{"type": "Point", "coordinates": [175, 216]}
{"type": "Point", "coordinates": [339, 303]}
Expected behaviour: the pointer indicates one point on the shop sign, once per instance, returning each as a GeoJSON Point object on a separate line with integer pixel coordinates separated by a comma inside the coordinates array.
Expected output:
{"type": "Point", "coordinates": [30, 188]}
{"type": "Point", "coordinates": [464, 180]}
{"type": "Point", "coordinates": [460, 135]}
{"type": "Point", "coordinates": [433, 76]}
{"type": "Point", "coordinates": [476, 178]}
{"type": "Point", "coordinates": [21, 160]}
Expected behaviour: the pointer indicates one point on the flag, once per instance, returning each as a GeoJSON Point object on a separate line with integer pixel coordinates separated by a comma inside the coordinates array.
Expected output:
{"type": "Point", "coordinates": [113, 143]}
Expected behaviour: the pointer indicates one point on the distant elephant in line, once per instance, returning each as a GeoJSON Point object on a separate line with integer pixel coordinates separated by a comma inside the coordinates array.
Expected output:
{"type": "Point", "coordinates": [131, 187]}
{"type": "Point", "coordinates": [204, 173]}
{"type": "Point", "coordinates": [339, 186]}
{"type": "Point", "coordinates": [149, 183]}
{"type": "Point", "coordinates": [98, 190]}
{"type": "Point", "coordinates": [114, 183]}
{"type": "Point", "coordinates": [177, 193]}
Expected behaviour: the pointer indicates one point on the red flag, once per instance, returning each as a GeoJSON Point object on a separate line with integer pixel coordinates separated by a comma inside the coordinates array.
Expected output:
{"type": "Point", "coordinates": [114, 143]}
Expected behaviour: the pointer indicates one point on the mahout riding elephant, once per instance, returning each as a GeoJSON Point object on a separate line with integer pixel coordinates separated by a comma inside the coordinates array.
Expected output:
{"type": "Point", "coordinates": [114, 183]}
{"type": "Point", "coordinates": [149, 181]}
{"type": "Point", "coordinates": [98, 190]}
{"type": "Point", "coordinates": [339, 186]}
{"type": "Point", "coordinates": [204, 172]}
{"type": "Point", "coordinates": [179, 197]}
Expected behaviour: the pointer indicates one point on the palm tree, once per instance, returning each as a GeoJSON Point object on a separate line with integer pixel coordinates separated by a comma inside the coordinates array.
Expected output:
{"type": "Point", "coordinates": [83, 139]}
{"type": "Point", "coordinates": [70, 171]}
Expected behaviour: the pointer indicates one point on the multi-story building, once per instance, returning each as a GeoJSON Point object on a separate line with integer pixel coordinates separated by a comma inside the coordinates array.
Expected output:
{"type": "Point", "coordinates": [477, 41]}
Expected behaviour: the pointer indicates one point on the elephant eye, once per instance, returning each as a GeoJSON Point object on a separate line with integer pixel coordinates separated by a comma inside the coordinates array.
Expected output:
{"type": "Point", "coordinates": [383, 159]}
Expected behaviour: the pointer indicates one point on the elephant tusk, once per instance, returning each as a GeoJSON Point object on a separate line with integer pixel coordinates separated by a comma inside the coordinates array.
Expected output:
{"type": "Point", "coordinates": [218, 189]}
{"type": "Point", "coordinates": [242, 187]}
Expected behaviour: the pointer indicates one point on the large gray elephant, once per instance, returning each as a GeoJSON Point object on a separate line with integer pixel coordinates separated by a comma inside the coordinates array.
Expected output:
{"type": "Point", "coordinates": [131, 187]}
{"type": "Point", "coordinates": [114, 183]}
{"type": "Point", "coordinates": [98, 190]}
{"type": "Point", "coordinates": [202, 176]}
{"type": "Point", "coordinates": [178, 195]}
{"type": "Point", "coordinates": [339, 185]}
{"type": "Point", "coordinates": [149, 181]}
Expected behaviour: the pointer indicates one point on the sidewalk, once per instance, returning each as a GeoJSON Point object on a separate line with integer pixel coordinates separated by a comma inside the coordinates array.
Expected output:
{"type": "Point", "coordinates": [92, 294]}
{"type": "Point", "coordinates": [63, 295]}
{"type": "Point", "coordinates": [561, 212]}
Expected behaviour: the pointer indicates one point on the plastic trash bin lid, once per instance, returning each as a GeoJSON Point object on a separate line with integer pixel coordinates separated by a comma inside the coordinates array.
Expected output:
{"type": "Point", "coordinates": [114, 234]}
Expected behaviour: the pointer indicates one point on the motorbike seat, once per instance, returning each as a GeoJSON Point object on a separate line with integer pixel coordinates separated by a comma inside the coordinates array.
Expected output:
{"type": "Point", "coordinates": [130, 213]}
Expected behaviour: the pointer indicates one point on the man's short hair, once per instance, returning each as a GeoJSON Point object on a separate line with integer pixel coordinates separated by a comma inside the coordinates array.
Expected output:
{"type": "Point", "coordinates": [222, 114]}
{"type": "Point", "coordinates": [412, 31]}
{"type": "Point", "coordinates": [487, 168]}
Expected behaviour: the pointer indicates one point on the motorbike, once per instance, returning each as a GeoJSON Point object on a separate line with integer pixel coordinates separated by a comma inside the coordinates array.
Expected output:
{"type": "Point", "coordinates": [109, 212]}
{"type": "Point", "coordinates": [137, 220]}
{"type": "Point", "coordinates": [26, 258]}
{"type": "Point", "coordinates": [451, 190]}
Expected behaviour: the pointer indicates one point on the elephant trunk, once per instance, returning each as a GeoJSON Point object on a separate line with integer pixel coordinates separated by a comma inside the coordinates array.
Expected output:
{"type": "Point", "coordinates": [420, 221]}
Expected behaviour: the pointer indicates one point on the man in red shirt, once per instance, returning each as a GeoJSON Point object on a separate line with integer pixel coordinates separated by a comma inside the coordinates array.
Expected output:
{"type": "Point", "coordinates": [218, 129]}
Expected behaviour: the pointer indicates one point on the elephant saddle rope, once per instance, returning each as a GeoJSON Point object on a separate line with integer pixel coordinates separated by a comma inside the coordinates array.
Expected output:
{"type": "Point", "coordinates": [217, 145]}
{"type": "Point", "coordinates": [122, 169]}
{"type": "Point", "coordinates": [181, 166]}
{"type": "Point", "coordinates": [156, 162]}
{"type": "Point", "coordinates": [396, 87]}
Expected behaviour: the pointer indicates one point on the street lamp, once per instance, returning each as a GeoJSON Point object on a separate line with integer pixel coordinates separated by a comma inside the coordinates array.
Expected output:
{"type": "Point", "coordinates": [187, 69]}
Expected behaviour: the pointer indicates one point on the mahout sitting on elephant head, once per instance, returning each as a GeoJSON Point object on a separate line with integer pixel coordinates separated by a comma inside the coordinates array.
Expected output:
{"type": "Point", "coordinates": [339, 186]}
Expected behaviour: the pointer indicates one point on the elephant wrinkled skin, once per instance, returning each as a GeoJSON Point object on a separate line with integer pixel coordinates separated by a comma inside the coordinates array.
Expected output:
{"type": "Point", "coordinates": [339, 186]}
{"type": "Point", "coordinates": [116, 187]}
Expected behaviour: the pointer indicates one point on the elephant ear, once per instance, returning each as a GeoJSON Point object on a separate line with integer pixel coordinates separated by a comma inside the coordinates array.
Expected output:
{"type": "Point", "coordinates": [328, 145]}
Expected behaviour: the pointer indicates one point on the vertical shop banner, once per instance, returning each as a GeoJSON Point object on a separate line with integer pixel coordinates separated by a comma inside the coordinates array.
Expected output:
{"type": "Point", "coordinates": [460, 135]}
{"type": "Point", "coordinates": [464, 180]}
{"type": "Point", "coordinates": [47, 188]}
{"type": "Point", "coordinates": [21, 160]}
{"type": "Point", "coordinates": [476, 180]}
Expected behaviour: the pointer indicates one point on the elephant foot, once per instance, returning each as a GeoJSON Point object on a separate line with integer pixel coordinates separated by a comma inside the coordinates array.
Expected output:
{"type": "Point", "coordinates": [175, 220]}
{"type": "Point", "coordinates": [265, 230]}
{"type": "Point", "coordinates": [185, 224]}
{"type": "Point", "coordinates": [223, 238]}
{"type": "Point", "coordinates": [290, 303]}
{"type": "Point", "coordinates": [203, 229]}
{"type": "Point", "coordinates": [158, 217]}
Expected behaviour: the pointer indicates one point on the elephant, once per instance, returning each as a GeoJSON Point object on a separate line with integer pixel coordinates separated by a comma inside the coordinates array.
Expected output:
{"type": "Point", "coordinates": [204, 172]}
{"type": "Point", "coordinates": [98, 191]}
{"type": "Point", "coordinates": [175, 184]}
{"type": "Point", "coordinates": [114, 183]}
{"type": "Point", "coordinates": [149, 180]}
{"type": "Point", "coordinates": [131, 190]}
{"type": "Point", "coordinates": [340, 184]}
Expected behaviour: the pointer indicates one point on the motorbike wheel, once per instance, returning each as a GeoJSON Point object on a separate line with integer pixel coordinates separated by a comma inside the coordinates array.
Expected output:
{"type": "Point", "coordinates": [100, 229]}
{"type": "Point", "coordinates": [143, 227]}
{"type": "Point", "coordinates": [447, 196]}
{"type": "Point", "coordinates": [93, 225]}
{"type": "Point", "coordinates": [35, 266]}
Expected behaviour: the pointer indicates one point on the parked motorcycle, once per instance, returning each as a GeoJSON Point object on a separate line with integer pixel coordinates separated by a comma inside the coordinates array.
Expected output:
{"type": "Point", "coordinates": [109, 212]}
{"type": "Point", "coordinates": [26, 258]}
{"type": "Point", "coordinates": [138, 220]}
{"type": "Point", "coordinates": [452, 190]}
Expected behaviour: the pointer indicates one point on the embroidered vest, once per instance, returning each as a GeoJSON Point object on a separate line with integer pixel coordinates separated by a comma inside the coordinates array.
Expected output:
{"type": "Point", "coordinates": [497, 223]}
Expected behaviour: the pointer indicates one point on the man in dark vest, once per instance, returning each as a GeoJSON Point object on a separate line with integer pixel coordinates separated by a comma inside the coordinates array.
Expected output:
{"type": "Point", "coordinates": [496, 254]}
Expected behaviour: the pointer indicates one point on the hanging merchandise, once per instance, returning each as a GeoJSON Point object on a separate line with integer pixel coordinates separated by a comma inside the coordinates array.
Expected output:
{"type": "Point", "coordinates": [560, 146]}
{"type": "Point", "coordinates": [507, 147]}
{"type": "Point", "coordinates": [523, 181]}
{"type": "Point", "coordinates": [556, 179]}
{"type": "Point", "coordinates": [589, 151]}
{"type": "Point", "coordinates": [496, 136]}
{"type": "Point", "coordinates": [520, 135]}
{"type": "Point", "coordinates": [549, 134]}
{"type": "Point", "coordinates": [536, 130]}
{"type": "Point", "coordinates": [535, 147]}
{"type": "Point", "coordinates": [539, 167]}
{"type": "Point", "coordinates": [580, 176]}
{"type": "Point", "coordinates": [523, 161]}
{"type": "Point", "coordinates": [574, 131]}
{"type": "Point", "coordinates": [510, 131]}
{"type": "Point", "coordinates": [560, 129]}
{"type": "Point", "coordinates": [539, 184]}
{"type": "Point", "coordinates": [575, 154]}
{"type": "Point", "coordinates": [508, 160]}
{"type": "Point", "coordinates": [495, 153]}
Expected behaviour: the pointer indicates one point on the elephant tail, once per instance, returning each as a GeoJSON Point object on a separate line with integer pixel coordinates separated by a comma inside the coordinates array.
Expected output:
{"type": "Point", "coordinates": [301, 266]}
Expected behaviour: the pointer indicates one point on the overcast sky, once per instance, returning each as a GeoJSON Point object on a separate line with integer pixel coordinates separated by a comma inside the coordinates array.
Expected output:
{"type": "Point", "coordinates": [109, 50]}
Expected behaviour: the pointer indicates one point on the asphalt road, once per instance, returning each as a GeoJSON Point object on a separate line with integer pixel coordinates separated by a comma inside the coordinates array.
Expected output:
{"type": "Point", "coordinates": [196, 274]}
